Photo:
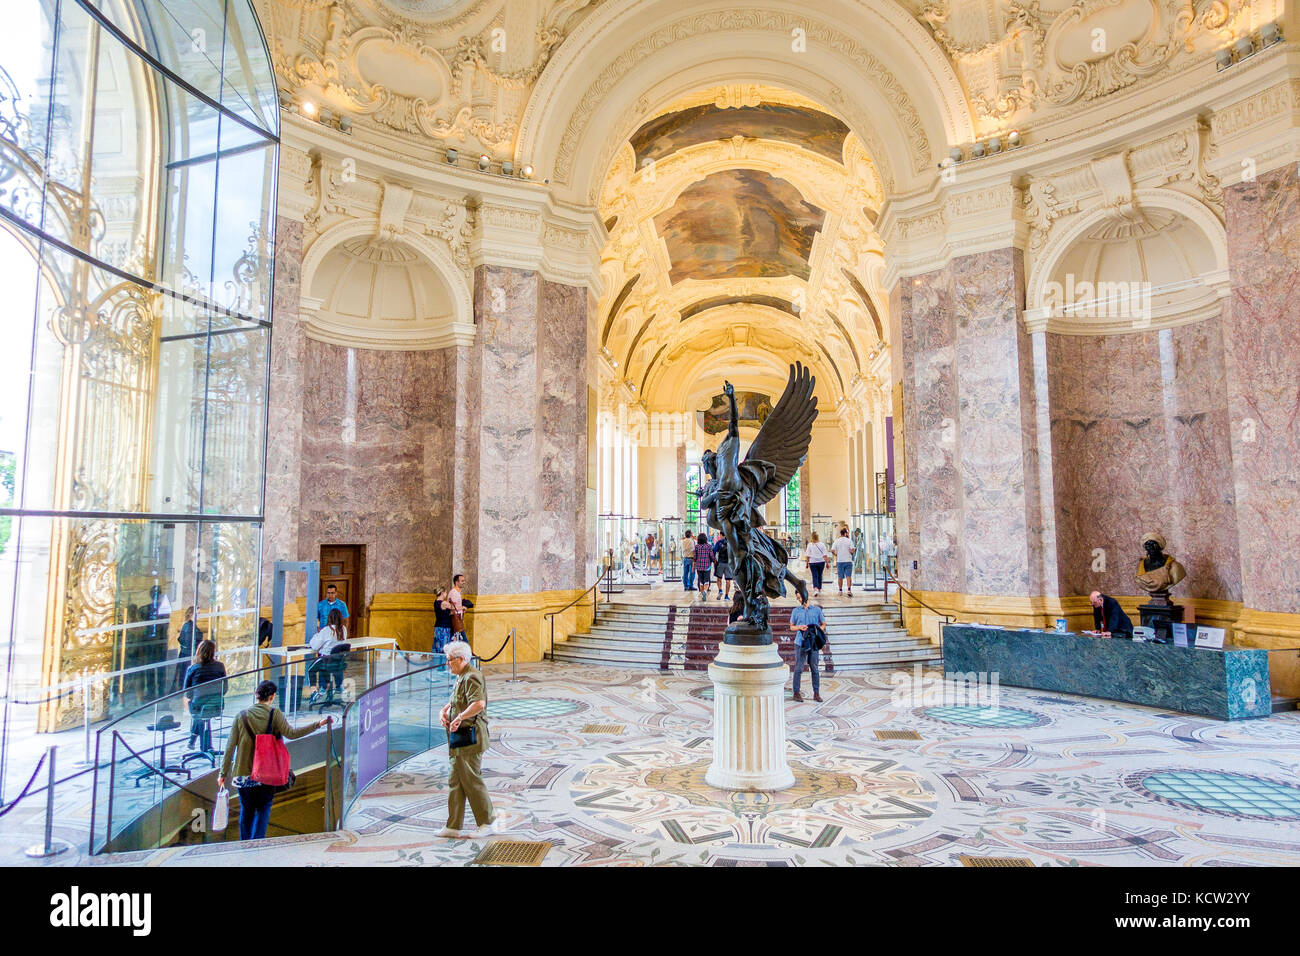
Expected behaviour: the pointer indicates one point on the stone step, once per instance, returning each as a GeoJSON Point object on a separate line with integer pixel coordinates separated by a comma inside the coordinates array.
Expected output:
{"type": "Point", "coordinates": [842, 663]}
{"type": "Point", "coordinates": [899, 641]}
{"type": "Point", "coordinates": [837, 630]}
{"type": "Point", "coordinates": [720, 611]}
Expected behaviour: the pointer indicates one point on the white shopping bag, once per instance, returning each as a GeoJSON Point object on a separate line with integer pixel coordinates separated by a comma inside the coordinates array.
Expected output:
{"type": "Point", "coordinates": [221, 810]}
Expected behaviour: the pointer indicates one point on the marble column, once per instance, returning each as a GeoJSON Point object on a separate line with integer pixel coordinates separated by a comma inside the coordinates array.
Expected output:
{"type": "Point", "coordinates": [972, 396]}
{"type": "Point", "coordinates": [520, 525]}
{"type": "Point", "coordinates": [284, 424]}
{"type": "Point", "coordinates": [1263, 369]}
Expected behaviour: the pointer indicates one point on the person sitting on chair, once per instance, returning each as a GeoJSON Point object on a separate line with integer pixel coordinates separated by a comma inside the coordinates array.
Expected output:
{"type": "Point", "coordinates": [327, 638]}
{"type": "Point", "coordinates": [205, 688]}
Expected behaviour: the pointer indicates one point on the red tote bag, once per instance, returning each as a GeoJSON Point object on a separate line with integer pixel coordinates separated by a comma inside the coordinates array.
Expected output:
{"type": "Point", "coordinates": [270, 757]}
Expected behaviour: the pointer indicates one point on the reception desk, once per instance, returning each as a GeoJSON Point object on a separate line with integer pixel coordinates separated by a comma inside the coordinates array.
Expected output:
{"type": "Point", "coordinates": [1230, 684]}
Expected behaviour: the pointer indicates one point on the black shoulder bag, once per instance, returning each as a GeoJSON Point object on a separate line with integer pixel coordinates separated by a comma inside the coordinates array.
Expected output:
{"type": "Point", "coordinates": [467, 736]}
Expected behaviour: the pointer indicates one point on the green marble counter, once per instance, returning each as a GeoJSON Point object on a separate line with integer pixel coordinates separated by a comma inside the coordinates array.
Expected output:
{"type": "Point", "coordinates": [1230, 684]}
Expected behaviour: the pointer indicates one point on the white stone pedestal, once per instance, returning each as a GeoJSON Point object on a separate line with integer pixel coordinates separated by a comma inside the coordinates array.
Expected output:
{"type": "Point", "coordinates": [749, 719]}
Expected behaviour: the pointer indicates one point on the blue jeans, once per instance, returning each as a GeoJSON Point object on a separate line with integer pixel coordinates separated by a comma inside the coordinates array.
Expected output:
{"type": "Point", "coordinates": [807, 655]}
{"type": "Point", "coordinates": [688, 574]}
{"type": "Point", "coordinates": [817, 568]}
{"type": "Point", "coordinates": [441, 638]}
{"type": "Point", "coordinates": [254, 811]}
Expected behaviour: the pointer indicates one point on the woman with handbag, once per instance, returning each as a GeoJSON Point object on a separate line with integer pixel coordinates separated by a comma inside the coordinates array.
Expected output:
{"type": "Point", "coordinates": [260, 759]}
{"type": "Point", "coordinates": [809, 626]}
{"type": "Point", "coordinates": [467, 737]}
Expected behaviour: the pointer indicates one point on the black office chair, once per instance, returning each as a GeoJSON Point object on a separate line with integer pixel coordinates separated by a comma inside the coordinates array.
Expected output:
{"type": "Point", "coordinates": [328, 674]}
{"type": "Point", "coordinates": [205, 710]}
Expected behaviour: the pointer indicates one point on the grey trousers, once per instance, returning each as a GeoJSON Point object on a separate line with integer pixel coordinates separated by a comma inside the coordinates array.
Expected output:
{"type": "Point", "coordinates": [807, 655]}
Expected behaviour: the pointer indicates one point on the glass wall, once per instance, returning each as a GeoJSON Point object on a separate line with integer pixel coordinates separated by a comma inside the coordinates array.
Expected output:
{"type": "Point", "coordinates": [138, 153]}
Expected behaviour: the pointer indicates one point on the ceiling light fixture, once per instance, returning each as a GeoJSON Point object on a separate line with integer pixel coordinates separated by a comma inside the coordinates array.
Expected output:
{"type": "Point", "coordinates": [451, 157]}
{"type": "Point", "coordinates": [507, 168]}
{"type": "Point", "coordinates": [527, 171]}
{"type": "Point", "coordinates": [484, 161]}
{"type": "Point", "coordinates": [308, 108]}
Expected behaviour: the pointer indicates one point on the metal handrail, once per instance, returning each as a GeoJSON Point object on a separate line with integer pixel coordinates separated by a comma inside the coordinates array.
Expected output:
{"type": "Point", "coordinates": [607, 576]}
{"type": "Point", "coordinates": [889, 579]}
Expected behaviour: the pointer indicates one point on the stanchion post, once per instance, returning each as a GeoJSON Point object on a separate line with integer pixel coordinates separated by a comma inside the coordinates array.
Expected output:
{"type": "Point", "coordinates": [514, 658]}
{"type": "Point", "coordinates": [49, 847]}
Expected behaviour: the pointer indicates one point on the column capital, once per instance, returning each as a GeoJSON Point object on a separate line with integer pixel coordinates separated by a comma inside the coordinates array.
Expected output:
{"type": "Point", "coordinates": [973, 213]}
{"type": "Point", "coordinates": [562, 243]}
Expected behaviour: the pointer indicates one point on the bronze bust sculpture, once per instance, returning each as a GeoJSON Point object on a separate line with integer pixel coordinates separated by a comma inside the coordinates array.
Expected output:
{"type": "Point", "coordinates": [1158, 572]}
{"type": "Point", "coordinates": [731, 501]}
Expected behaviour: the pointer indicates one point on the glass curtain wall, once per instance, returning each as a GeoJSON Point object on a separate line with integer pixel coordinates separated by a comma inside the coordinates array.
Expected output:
{"type": "Point", "coordinates": [138, 154]}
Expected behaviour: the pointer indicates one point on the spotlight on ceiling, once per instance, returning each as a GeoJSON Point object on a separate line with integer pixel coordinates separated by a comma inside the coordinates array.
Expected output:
{"type": "Point", "coordinates": [1269, 34]}
{"type": "Point", "coordinates": [527, 171]}
{"type": "Point", "coordinates": [308, 108]}
{"type": "Point", "coordinates": [451, 157]}
{"type": "Point", "coordinates": [345, 125]}
{"type": "Point", "coordinates": [507, 168]}
{"type": "Point", "coordinates": [1013, 139]}
{"type": "Point", "coordinates": [995, 145]}
{"type": "Point", "coordinates": [977, 151]}
{"type": "Point", "coordinates": [1223, 59]}
{"type": "Point", "coordinates": [1244, 47]}
{"type": "Point", "coordinates": [956, 154]}
{"type": "Point", "coordinates": [484, 161]}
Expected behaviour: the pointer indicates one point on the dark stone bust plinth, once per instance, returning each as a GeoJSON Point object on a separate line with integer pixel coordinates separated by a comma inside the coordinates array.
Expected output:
{"type": "Point", "coordinates": [745, 634]}
{"type": "Point", "coordinates": [1160, 616]}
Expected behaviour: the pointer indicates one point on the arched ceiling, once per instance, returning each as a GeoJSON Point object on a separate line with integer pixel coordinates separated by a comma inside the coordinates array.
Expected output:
{"type": "Point", "coordinates": [741, 223]}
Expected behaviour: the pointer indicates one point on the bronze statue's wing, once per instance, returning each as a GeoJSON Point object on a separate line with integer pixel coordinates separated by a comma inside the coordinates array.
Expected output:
{"type": "Point", "coordinates": [784, 438]}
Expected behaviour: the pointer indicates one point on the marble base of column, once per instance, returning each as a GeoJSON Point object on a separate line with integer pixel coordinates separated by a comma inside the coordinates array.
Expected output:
{"type": "Point", "coordinates": [749, 719]}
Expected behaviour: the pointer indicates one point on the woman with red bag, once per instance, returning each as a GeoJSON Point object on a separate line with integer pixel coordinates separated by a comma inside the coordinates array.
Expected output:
{"type": "Point", "coordinates": [261, 761]}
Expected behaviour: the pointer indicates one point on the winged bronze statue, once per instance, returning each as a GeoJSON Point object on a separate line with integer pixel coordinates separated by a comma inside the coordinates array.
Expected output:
{"type": "Point", "coordinates": [732, 499]}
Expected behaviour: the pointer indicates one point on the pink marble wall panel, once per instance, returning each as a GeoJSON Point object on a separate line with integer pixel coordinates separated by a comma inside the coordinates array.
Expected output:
{"type": "Point", "coordinates": [1262, 362]}
{"type": "Point", "coordinates": [377, 461]}
{"type": "Point", "coordinates": [562, 420]}
{"type": "Point", "coordinates": [506, 374]}
{"type": "Point", "coordinates": [1140, 443]}
{"type": "Point", "coordinates": [992, 464]}
{"type": "Point", "coordinates": [930, 415]}
{"type": "Point", "coordinates": [972, 408]}
{"type": "Point", "coordinates": [463, 374]}
{"type": "Point", "coordinates": [284, 425]}
{"type": "Point", "coordinates": [1036, 420]}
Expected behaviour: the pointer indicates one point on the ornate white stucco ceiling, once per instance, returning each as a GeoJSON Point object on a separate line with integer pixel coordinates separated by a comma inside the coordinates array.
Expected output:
{"type": "Point", "coordinates": [741, 220]}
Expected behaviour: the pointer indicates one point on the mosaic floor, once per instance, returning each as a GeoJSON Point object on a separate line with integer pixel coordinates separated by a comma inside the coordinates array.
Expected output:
{"type": "Point", "coordinates": [1053, 779]}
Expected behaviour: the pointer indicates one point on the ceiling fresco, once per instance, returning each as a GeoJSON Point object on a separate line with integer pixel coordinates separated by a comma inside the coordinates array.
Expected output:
{"type": "Point", "coordinates": [813, 130]}
{"type": "Point", "coordinates": [740, 223]}
{"type": "Point", "coordinates": [752, 409]}
{"type": "Point", "coordinates": [743, 244]}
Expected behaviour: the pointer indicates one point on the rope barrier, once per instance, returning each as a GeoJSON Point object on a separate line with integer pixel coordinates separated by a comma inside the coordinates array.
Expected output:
{"type": "Point", "coordinates": [22, 793]}
{"type": "Point", "coordinates": [488, 660]}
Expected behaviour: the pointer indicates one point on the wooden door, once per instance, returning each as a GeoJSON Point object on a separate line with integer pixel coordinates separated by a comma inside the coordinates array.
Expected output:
{"type": "Point", "coordinates": [344, 566]}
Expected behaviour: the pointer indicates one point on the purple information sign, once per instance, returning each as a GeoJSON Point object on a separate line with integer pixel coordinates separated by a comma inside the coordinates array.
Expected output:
{"type": "Point", "coordinates": [372, 737]}
{"type": "Point", "coordinates": [889, 463]}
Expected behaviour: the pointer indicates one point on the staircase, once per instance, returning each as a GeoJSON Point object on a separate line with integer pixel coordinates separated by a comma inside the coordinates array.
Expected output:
{"type": "Point", "coordinates": [685, 638]}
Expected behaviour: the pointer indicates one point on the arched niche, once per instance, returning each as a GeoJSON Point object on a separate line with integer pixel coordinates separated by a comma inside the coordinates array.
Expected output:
{"type": "Point", "coordinates": [1161, 264]}
{"type": "Point", "coordinates": [402, 294]}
